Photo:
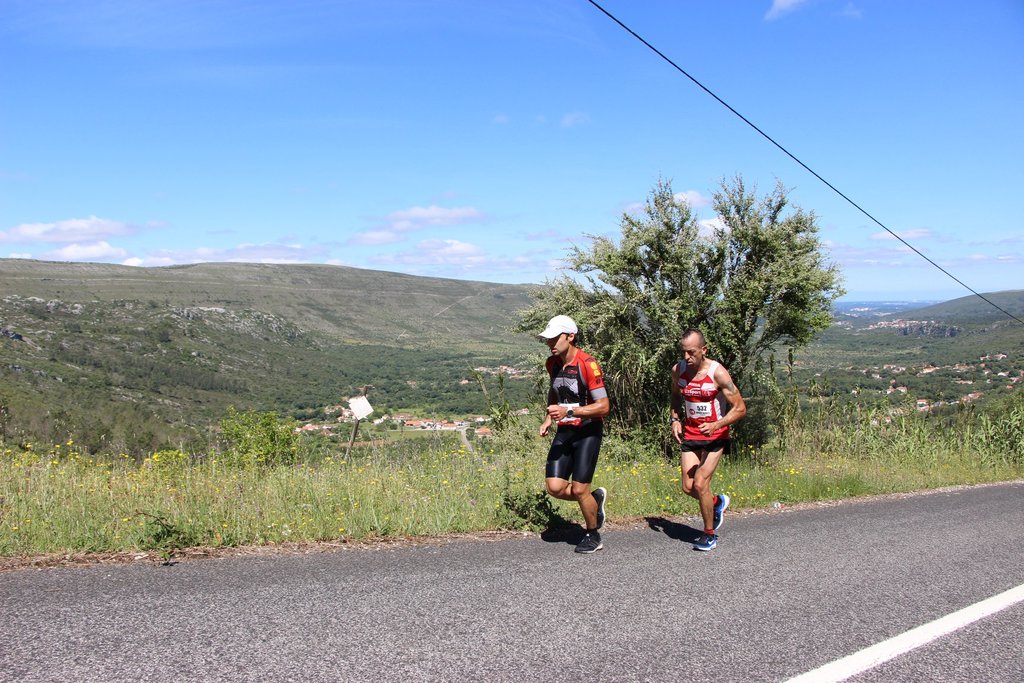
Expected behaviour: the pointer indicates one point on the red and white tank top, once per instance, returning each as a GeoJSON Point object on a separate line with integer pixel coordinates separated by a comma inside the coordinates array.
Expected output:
{"type": "Point", "coordinates": [701, 403]}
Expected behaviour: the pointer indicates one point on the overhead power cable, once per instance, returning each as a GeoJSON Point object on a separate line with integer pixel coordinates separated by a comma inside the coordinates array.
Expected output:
{"type": "Point", "coordinates": [805, 166]}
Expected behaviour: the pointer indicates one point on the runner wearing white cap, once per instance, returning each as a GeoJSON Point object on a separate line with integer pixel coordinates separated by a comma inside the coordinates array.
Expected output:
{"type": "Point", "coordinates": [577, 403]}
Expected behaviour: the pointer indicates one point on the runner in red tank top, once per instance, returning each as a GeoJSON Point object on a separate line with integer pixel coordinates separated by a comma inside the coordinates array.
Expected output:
{"type": "Point", "coordinates": [701, 426]}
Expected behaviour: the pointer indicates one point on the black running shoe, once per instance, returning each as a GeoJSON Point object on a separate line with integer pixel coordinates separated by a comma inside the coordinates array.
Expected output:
{"type": "Point", "coordinates": [721, 506]}
{"type": "Point", "coordinates": [705, 542]}
{"type": "Point", "coordinates": [600, 494]}
{"type": "Point", "coordinates": [591, 543]}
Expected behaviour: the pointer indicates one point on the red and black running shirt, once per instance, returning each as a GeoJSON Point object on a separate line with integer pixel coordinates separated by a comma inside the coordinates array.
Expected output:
{"type": "Point", "coordinates": [577, 383]}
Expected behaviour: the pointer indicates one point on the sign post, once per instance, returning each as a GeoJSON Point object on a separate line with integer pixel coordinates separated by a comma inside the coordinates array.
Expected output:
{"type": "Point", "coordinates": [361, 409]}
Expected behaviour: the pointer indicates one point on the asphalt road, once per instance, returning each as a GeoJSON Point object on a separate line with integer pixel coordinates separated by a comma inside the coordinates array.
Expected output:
{"type": "Point", "coordinates": [783, 593]}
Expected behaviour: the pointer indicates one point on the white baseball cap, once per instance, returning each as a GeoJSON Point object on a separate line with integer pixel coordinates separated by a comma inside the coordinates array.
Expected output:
{"type": "Point", "coordinates": [560, 324]}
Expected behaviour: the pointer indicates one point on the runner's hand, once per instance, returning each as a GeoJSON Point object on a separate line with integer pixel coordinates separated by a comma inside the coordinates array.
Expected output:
{"type": "Point", "coordinates": [556, 412]}
{"type": "Point", "coordinates": [708, 428]}
{"type": "Point", "coordinates": [677, 431]}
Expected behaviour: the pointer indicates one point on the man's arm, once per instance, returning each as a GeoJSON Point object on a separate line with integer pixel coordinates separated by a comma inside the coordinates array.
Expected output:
{"type": "Point", "coordinates": [737, 406]}
{"type": "Point", "coordinates": [598, 408]}
{"type": "Point", "coordinates": [552, 399]}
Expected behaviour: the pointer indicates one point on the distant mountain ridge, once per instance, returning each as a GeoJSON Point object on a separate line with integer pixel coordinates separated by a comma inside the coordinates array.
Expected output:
{"type": "Point", "coordinates": [350, 305]}
{"type": "Point", "coordinates": [971, 309]}
{"type": "Point", "coordinates": [136, 358]}
{"type": "Point", "coordinates": [359, 305]}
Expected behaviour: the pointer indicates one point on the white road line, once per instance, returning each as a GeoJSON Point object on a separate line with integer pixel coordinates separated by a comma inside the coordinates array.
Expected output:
{"type": "Point", "coordinates": [870, 657]}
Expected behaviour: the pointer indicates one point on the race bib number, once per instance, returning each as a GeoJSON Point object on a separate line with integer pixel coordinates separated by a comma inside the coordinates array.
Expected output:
{"type": "Point", "coordinates": [697, 411]}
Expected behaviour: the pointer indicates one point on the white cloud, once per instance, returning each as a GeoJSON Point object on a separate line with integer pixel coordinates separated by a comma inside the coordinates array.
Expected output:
{"type": "Point", "coordinates": [693, 198]}
{"type": "Point", "coordinates": [70, 230]}
{"type": "Point", "coordinates": [988, 263]}
{"type": "Point", "coordinates": [988, 258]}
{"type": "Point", "coordinates": [438, 252]}
{"type": "Point", "coordinates": [453, 258]}
{"type": "Point", "coordinates": [556, 264]}
{"type": "Point", "coordinates": [443, 258]}
{"type": "Point", "coordinates": [96, 251]}
{"type": "Point", "coordinates": [851, 11]}
{"type": "Point", "coordinates": [418, 217]}
{"type": "Point", "coordinates": [373, 237]}
{"type": "Point", "coordinates": [243, 253]}
{"type": "Point", "coordinates": [853, 257]}
{"type": "Point", "coordinates": [574, 118]}
{"type": "Point", "coordinates": [781, 7]}
{"type": "Point", "coordinates": [14, 254]}
{"type": "Point", "coordinates": [545, 235]}
{"type": "Point", "coordinates": [913, 234]}
{"type": "Point", "coordinates": [710, 226]}
{"type": "Point", "coordinates": [500, 119]}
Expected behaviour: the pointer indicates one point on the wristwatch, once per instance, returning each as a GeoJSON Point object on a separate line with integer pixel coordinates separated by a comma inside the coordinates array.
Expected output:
{"type": "Point", "coordinates": [569, 413]}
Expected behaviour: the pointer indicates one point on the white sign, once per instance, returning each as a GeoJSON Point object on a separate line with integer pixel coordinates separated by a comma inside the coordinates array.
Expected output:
{"type": "Point", "coordinates": [360, 407]}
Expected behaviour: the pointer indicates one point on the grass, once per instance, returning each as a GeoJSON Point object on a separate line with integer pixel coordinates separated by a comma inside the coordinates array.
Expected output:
{"type": "Point", "coordinates": [62, 500]}
{"type": "Point", "coordinates": [59, 499]}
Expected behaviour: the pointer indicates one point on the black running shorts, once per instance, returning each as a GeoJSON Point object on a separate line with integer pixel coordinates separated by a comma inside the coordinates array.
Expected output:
{"type": "Point", "coordinates": [706, 446]}
{"type": "Point", "coordinates": [574, 452]}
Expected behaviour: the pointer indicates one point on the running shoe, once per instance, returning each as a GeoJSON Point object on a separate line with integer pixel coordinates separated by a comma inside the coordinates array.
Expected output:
{"type": "Point", "coordinates": [600, 494]}
{"type": "Point", "coordinates": [705, 542]}
{"type": "Point", "coordinates": [591, 543]}
{"type": "Point", "coordinates": [720, 507]}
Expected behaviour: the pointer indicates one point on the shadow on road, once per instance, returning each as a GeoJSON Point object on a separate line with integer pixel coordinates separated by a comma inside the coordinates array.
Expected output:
{"type": "Point", "coordinates": [563, 531]}
{"type": "Point", "coordinates": [674, 530]}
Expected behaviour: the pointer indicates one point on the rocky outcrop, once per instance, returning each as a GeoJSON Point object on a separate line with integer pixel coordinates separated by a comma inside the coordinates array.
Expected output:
{"type": "Point", "coordinates": [927, 330]}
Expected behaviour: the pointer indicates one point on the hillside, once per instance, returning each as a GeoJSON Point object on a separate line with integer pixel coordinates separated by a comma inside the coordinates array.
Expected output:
{"type": "Point", "coordinates": [971, 309]}
{"type": "Point", "coordinates": [140, 356]}
{"type": "Point", "coordinates": [959, 351]}
{"type": "Point", "coordinates": [133, 359]}
{"type": "Point", "coordinates": [349, 305]}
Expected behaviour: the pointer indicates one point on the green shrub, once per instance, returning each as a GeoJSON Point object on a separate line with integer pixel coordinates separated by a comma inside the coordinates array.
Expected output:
{"type": "Point", "coordinates": [1000, 431]}
{"type": "Point", "coordinates": [256, 439]}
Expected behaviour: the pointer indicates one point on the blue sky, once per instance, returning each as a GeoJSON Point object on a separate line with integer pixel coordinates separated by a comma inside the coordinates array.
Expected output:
{"type": "Point", "coordinates": [478, 139]}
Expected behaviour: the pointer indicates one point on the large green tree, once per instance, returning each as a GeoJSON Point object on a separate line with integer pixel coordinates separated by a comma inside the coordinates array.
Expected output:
{"type": "Point", "coordinates": [755, 277]}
